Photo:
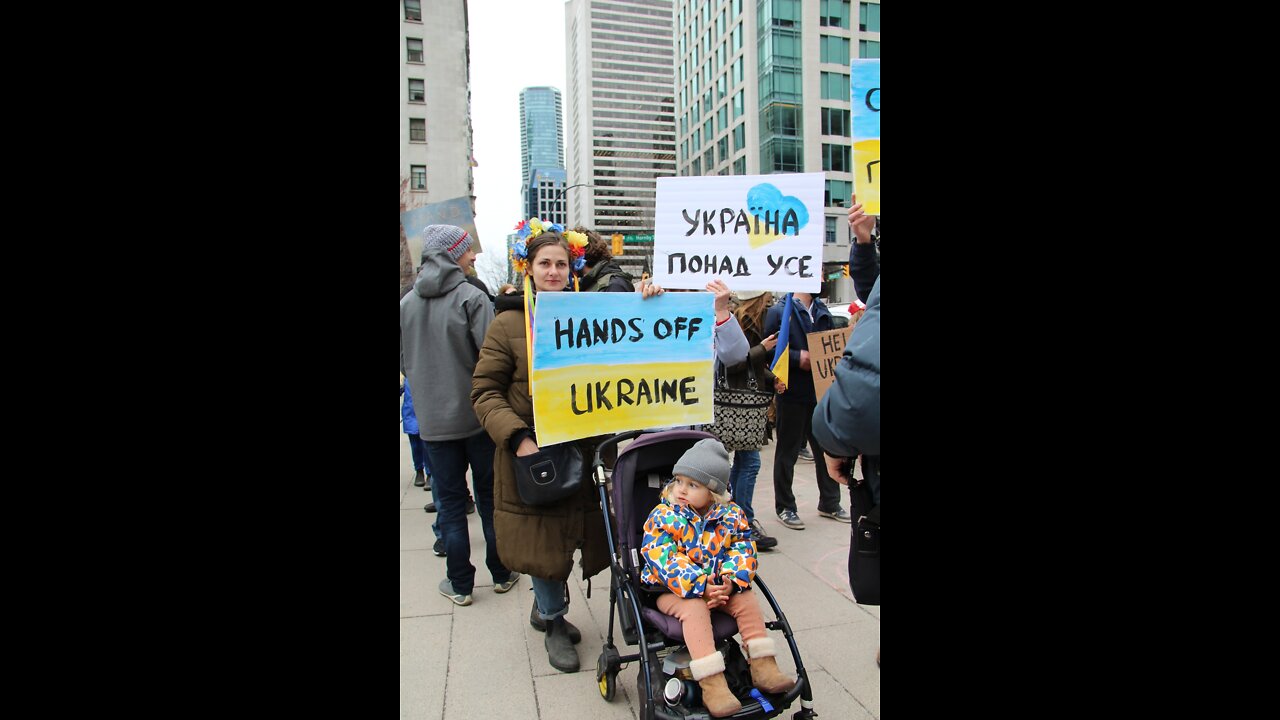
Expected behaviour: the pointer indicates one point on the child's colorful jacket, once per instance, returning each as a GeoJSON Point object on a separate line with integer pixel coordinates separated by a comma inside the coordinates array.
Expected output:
{"type": "Point", "coordinates": [681, 549]}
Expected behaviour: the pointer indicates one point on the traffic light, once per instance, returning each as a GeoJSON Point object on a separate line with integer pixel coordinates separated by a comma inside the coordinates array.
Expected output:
{"type": "Point", "coordinates": [617, 243]}
{"type": "Point", "coordinates": [845, 269]}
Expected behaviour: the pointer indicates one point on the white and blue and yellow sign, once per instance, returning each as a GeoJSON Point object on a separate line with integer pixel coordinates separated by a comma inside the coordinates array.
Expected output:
{"type": "Point", "coordinates": [611, 362]}
{"type": "Point", "coordinates": [864, 96]}
{"type": "Point", "coordinates": [754, 232]}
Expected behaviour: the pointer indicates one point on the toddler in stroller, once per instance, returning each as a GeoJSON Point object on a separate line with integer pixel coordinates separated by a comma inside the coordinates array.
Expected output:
{"type": "Point", "coordinates": [687, 570]}
{"type": "Point", "coordinates": [697, 545]}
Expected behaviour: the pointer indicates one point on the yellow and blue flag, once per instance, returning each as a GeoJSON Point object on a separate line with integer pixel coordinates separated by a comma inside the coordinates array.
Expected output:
{"type": "Point", "coordinates": [781, 356]}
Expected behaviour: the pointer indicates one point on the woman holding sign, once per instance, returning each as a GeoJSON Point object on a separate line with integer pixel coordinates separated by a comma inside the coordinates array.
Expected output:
{"type": "Point", "coordinates": [539, 541]}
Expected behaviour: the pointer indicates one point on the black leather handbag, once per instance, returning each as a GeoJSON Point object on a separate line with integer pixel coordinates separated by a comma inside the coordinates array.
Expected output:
{"type": "Point", "coordinates": [864, 545]}
{"type": "Point", "coordinates": [550, 475]}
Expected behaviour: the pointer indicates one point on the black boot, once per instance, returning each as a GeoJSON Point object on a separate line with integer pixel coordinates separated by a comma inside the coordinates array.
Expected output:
{"type": "Point", "coordinates": [560, 650]}
{"type": "Point", "coordinates": [541, 625]}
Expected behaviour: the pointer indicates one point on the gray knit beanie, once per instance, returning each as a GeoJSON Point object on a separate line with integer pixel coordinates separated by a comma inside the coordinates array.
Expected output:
{"type": "Point", "coordinates": [707, 462]}
{"type": "Point", "coordinates": [450, 238]}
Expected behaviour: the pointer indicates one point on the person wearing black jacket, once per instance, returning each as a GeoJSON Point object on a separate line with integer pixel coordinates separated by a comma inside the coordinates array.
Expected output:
{"type": "Point", "coordinates": [795, 412]}
{"type": "Point", "coordinates": [602, 272]}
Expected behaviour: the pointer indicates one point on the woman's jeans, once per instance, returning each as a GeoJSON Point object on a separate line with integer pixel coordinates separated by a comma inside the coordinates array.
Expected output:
{"type": "Point", "coordinates": [742, 479]}
{"type": "Point", "coordinates": [550, 596]}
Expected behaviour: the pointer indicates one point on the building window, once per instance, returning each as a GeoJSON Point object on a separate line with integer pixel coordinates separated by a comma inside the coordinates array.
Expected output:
{"type": "Point", "coordinates": [838, 193]}
{"type": "Point", "coordinates": [739, 137]}
{"type": "Point", "coordinates": [740, 166]}
{"type": "Point", "coordinates": [737, 71]}
{"type": "Point", "coordinates": [413, 10]}
{"type": "Point", "coordinates": [724, 117]}
{"type": "Point", "coordinates": [835, 122]}
{"type": "Point", "coordinates": [835, 86]}
{"type": "Point", "coordinates": [737, 38]}
{"type": "Point", "coordinates": [835, 50]}
{"type": "Point", "coordinates": [781, 85]}
{"type": "Point", "coordinates": [415, 50]}
{"type": "Point", "coordinates": [723, 147]}
{"type": "Point", "coordinates": [869, 17]}
{"type": "Point", "coordinates": [417, 130]}
{"type": "Point", "coordinates": [697, 166]}
{"type": "Point", "coordinates": [737, 105]}
{"type": "Point", "coordinates": [868, 49]}
{"type": "Point", "coordinates": [783, 154]}
{"type": "Point", "coordinates": [418, 175]}
{"type": "Point", "coordinates": [834, 13]}
{"type": "Point", "coordinates": [835, 158]}
{"type": "Point", "coordinates": [709, 158]}
{"type": "Point", "coordinates": [781, 120]}
{"type": "Point", "coordinates": [831, 231]}
{"type": "Point", "coordinates": [417, 91]}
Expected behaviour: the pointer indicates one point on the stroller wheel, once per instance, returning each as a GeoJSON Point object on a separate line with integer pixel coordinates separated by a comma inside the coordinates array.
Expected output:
{"type": "Point", "coordinates": [607, 675]}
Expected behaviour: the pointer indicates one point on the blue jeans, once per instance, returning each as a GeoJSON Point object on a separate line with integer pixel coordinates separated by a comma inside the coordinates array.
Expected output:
{"type": "Point", "coordinates": [550, 596]}
{"type": "Point", "coordinates": [418, 447]}
{"type": "Point", "coordinates": [742, 479]}
{"type": "Point", "coordinates": [450, 459]}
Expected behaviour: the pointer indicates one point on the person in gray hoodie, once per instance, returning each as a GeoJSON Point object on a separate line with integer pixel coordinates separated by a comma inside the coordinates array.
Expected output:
{"type": "Point", "coordinates": [443, 323]}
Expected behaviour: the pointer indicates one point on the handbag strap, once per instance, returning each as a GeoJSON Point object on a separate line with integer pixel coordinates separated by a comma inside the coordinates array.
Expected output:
{"type": "Point", "coordinates": [723, 383]}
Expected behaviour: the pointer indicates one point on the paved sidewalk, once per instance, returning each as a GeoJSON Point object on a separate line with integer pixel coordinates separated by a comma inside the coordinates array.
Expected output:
{"type": "Point", "coordinates": [485, 661]}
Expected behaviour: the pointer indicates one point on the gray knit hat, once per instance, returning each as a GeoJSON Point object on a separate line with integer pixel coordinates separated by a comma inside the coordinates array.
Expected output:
{"type": "Point", "coordinates": [707, 462]}
{"type": "Point", "coordinates": [450, 238]}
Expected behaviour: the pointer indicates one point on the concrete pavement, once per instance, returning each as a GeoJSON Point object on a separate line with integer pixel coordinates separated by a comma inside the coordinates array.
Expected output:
{"type": "Point", "coordinates": [485, 661]}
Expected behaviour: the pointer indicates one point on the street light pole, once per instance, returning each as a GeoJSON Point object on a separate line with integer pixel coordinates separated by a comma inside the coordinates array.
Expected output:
{"type": "Point", "coordinates": [561, 193]}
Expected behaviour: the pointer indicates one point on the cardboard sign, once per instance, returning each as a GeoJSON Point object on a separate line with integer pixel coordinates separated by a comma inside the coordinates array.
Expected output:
{"type": "Point", "coordinates": [864, 98]}
{"type": "Point", "coordinates": [610, 362]}
{"type": "Point", "coordinates": [754, 232]}
{"type": "Point", "coordinates": [825, 349]}
{"type": "Point", "coordinates": [450, 212]}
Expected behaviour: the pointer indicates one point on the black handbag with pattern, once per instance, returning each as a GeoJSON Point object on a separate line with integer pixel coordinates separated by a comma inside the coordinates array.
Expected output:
{"type": "Point", "coordinates": [740, 415]}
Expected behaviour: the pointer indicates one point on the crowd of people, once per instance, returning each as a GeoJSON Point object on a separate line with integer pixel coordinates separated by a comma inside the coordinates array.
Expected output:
{"type": "Point", "coordinates": [468, 409]}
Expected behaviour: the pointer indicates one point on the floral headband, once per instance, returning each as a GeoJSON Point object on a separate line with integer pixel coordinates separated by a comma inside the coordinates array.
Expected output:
{"type": "Point", "coordinates": [527, 230]}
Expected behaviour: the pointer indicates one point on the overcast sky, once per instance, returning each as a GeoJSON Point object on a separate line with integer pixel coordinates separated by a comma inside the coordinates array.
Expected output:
{"type": "Point", "coordinates": [514, 45]}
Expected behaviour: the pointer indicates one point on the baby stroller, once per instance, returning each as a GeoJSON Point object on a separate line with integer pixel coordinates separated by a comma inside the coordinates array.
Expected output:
{"type": "Point", "coordinates": [666, 689]}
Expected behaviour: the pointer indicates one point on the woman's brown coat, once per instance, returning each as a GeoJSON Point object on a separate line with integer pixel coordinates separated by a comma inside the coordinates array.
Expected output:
{"type": "Point", "coordinates": [537, 541]}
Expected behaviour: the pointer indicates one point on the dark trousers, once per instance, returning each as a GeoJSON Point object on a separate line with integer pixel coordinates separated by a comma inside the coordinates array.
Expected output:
{"type": "Point", "coordinates": [794, 431]}
{"type": "Point", "coordinates": [449, 461]}
{"type": "Point", "coordinates": [418, 448]}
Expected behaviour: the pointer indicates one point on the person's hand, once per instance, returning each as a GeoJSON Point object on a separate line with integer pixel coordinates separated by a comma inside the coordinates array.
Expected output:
{"type": "Point", "coordinates": [779, 386]}
{"type": "Point", "coordinates": [837, 468]}
{"type": "Point", "coordinates": [722, 293]}
{"type": "Point", "coordinates": [648, 289]}
{"type": "Point", "coordinates": [717, 594]}
{"type": "Point", "coordinates": [804, 359]}
{"type": "Point", "coordinates": [527, 448]}
{"type": "Point", "coordinates": [859, 222]}
{"type": "Point", "coordinates": [770, 342]}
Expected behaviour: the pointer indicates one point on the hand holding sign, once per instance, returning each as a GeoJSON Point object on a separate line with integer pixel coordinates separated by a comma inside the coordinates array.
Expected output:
{"type": "Point", "coordinates": [722, 293]}
{"type": "Point", "coordinates": [860, 222]}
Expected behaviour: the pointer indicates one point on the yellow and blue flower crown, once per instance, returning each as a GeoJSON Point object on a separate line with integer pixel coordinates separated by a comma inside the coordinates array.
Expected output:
{"type": "Point", "coordinates": [527, 230]}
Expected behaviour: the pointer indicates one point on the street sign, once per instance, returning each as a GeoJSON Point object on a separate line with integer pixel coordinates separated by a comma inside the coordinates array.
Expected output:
{"type": "Point", "coordinates": [637, 238]}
